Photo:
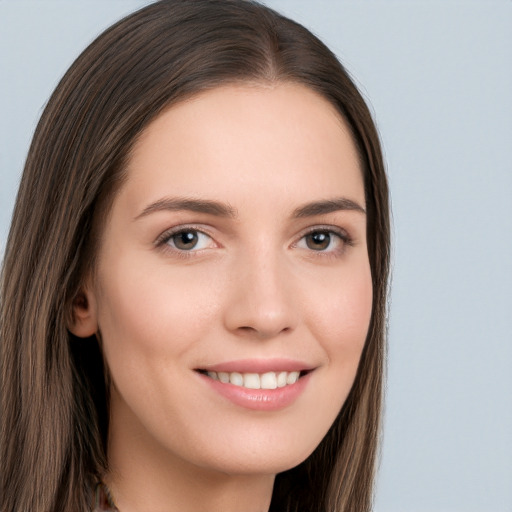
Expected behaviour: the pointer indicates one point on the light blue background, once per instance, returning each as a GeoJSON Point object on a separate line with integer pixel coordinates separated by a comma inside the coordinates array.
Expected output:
{"type": "Point", "coordinates": [438, 75]}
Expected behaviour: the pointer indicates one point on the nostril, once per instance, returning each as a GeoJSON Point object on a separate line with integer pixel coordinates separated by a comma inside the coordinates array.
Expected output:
{"type": "Point", "coordinates": [262, 333]}
{"type": "Point", "coordinates": [247, 329]}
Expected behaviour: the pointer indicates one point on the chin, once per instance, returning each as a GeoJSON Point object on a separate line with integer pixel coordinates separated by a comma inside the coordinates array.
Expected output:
{"type": "Point", "coordinates": [263, 460]}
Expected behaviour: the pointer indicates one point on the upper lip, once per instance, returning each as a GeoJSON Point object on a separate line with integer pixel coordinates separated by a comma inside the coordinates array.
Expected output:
{"type": "Point", "coordinates": [259, 366]}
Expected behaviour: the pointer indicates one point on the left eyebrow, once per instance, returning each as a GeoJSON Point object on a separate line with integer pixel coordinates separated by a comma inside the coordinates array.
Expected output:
{"type": "Point", "coordinates": [327, 206]}
{"type": "Point", "coordinates": [188, 204]}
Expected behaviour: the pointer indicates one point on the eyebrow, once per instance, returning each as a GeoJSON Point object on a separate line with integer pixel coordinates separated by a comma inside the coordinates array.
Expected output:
{"type": "Point", "coordinates": [193, 205]}
{"type": "Point", "coordinates": [328, 206]}
{"type": "Point", "coordinates": [219, 209]}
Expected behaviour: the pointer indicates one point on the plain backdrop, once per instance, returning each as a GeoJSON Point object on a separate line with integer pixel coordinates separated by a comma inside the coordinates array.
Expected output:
{"type": "Point", "coordinates": [438, 77]}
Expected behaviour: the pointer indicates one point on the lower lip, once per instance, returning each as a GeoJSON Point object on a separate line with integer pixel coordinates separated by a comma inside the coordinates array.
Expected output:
{"type": "Point", "coordinates": [260, 399]}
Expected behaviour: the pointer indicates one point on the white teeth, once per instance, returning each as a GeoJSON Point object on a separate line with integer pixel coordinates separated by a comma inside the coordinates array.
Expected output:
{"type": "Point", "coordinates": [236, 378]}
{"type": "Point", "coordinates": [269, 380]}
{"type": "Point", "coordinates": [223, 377]}
{"type": "Point", "coordinates": [281, 379]}
{"type": "Point", "coordinates": [292, 378]}
{"type": "Point", "coordinates": [252, 381]}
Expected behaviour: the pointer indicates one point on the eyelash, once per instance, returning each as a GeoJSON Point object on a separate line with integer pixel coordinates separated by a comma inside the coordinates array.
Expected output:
{"type": "Point", "coordinates": [162, 241]}
{"type": "Point", "coordinates": [346, 240]}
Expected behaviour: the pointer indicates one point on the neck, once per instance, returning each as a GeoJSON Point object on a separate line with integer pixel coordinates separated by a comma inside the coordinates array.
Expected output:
{"type": "Point", "coordinates": [135, 492]}
{"type": "Point", "coordinates": [142, 476]}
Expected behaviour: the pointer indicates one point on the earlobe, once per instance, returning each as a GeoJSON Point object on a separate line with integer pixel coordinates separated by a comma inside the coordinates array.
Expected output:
{"type": "Point", "coordinates": [83, 322]}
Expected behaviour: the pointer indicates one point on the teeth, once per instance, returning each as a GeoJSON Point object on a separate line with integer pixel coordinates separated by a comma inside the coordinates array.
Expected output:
{"type": "Point", "coordinates": [223, 377]}
{"type": "Point", "coordinates": [252, 381]}
{"type": "Point", "coordinates": [281, 379]}
{"type": "Point", "coordinates": [236, 378]}
{"type": "Point", "coordinates": [269, 380]}
{"type": "Point", "coordinates": [292, 378]}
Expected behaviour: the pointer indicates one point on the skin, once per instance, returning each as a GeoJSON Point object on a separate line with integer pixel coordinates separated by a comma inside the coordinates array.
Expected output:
{"type": "Point", "coordinates": [254, 287]}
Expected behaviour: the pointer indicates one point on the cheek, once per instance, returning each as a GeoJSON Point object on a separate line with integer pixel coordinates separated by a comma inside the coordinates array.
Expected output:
{"type": "Point", "coordinates": [339, 312]}
{"type": "Point", "coordinates": [343, 311]}
{"type": "Point", "coordinates": [154, 313]}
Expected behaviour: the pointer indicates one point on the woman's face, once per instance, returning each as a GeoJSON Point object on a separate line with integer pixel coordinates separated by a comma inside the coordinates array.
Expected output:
{"type": "Point", "coordinates": [233, 291]}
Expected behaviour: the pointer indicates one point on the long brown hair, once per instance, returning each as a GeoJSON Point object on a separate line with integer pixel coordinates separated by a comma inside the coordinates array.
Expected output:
{"type": "Point", "coordinates": [54, 399]}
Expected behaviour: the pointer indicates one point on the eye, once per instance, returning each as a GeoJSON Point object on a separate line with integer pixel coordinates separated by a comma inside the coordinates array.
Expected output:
{"type": "Point", "coordinates": [188, 239]}
{"type": "Point", "coordinates": [324, 240]}
{"type": "Point", "coordinates": [318, 241]}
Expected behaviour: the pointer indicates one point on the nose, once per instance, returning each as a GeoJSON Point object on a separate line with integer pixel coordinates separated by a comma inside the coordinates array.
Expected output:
{"type": "Point", "coordinates": [260, 305]}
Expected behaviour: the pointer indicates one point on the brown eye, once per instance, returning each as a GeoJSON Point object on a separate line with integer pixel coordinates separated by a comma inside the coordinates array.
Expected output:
{"type": "Point", "coordinates": [185, 240]}
{"type": "Point", "coordinates": [318, 240]}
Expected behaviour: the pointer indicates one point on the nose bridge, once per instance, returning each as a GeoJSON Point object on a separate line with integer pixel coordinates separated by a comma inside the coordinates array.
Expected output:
{"type": "Point", "coordinates": [261, 302]}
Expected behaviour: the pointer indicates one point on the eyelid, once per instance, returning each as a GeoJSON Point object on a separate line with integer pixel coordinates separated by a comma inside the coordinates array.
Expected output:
{"type": "Point", "coordinates": [342, 234]}
{"type": "Point", "coordinates": [162, 239]}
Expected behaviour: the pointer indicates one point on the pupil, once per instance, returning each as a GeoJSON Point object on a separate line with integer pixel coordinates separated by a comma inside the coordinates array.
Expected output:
{"type": "Point", "coordinates": [318, 241]}
{"type": "Point", "coordinates": [185, 239]}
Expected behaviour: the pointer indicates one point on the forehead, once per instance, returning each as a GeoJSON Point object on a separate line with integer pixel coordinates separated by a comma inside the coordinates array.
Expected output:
{"type": "Point", "coordinates": [238, 141]}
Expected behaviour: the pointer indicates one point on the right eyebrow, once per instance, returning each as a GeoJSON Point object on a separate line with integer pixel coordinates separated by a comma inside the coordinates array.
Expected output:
{"type": "Point", "coordinates": [328, 206]}
{"type": "Point", "coordinates": [194, 205]}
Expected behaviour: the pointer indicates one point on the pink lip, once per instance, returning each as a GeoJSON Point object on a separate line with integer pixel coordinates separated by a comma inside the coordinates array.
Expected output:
{"type": "Point", "coordinates": [260, 366]}
{"type": "Point", "coordinates": [258, 399]}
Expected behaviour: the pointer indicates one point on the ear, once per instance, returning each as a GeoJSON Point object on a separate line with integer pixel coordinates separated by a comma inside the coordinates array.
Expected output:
{"type": "Point", "coordinates": [84, 321]}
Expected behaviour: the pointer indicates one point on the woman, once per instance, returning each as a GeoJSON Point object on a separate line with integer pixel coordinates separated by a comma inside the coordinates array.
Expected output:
{"type": "Point", "coordinates": [194, 287]}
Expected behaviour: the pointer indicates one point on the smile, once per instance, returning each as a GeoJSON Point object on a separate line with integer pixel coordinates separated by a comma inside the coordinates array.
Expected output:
{"type": "Point", "coordinates": [268, 380]}
{"type": "Point", "coordinates": [258, 384]}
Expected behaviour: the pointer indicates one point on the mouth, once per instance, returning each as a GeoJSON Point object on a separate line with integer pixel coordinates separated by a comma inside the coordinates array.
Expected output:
{"type": "Point", "coordinates": [256, 384]}
{"type": "Point", "coordinates": [268, 380]}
